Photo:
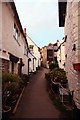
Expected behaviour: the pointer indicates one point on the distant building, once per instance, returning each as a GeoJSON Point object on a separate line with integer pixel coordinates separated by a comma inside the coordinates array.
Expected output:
{"type": "Point", "coordinates": [34, 55]}
{"type": "Point", "coordinates": [49, 54]}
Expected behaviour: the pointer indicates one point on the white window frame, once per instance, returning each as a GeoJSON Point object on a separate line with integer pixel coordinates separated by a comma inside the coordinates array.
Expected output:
{"type": "Point", "coordinates": [16, 34]}
{"type": "Point", "coordinates": [25, 50]}
{"type": "Point", "coordinates": [31, 48]}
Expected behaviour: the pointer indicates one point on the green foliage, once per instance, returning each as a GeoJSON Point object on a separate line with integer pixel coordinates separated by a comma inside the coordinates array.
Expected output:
{"type": "Point", "coordinates": [53, 65]}
{"type": "Point", "coordinates": [9, 77]}
{"type": "Point", "coordinates": [48, 76]}
{"type": "Point", "coordinates": [59, 75]}
{"type": "Point", "coordinates": [56, 101]}
{"type": "Point", "coordinates": [12, 85]}
{"type": "Point", "coordinates": [25, 78]}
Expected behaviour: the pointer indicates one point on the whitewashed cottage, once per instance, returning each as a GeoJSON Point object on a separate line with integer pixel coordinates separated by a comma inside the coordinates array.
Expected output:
{"type": "Point", "coordinates": [13, 43]}
{"type": "Point", "coordinates": [33, 54]}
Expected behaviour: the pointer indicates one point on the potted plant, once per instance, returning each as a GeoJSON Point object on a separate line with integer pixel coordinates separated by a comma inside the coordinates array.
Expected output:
{"type": "Point", "coordinates": [10, 84]}
{"type": "Point", "coordinates": [58, 77]}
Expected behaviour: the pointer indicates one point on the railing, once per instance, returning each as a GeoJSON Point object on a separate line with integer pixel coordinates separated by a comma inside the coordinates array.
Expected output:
{"type": "Point", "coordinates": [66, 96]}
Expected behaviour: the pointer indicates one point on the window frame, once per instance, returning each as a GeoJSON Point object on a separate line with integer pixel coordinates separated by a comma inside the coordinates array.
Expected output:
{"type": "Point", "coordinates": [16, 34]}
{"type": "Point", "coordinates": [25, 50]}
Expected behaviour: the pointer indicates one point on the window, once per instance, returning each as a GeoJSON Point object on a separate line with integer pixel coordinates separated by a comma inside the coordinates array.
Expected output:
{"type": "Point", "coordinates": [66, 55]}
{"type": "Point", "coordinates": [14, 30]}
{"type": "Point", "coordinates": [49, 55]}
{"type": "Point", "coordinates": [25, 50]}
{"type": "Point", "coordinates": [74, 47]}
{"type": "Point", "coordinates": [31, 48]}
{"type": "Point", "coordinates": [16, 34]}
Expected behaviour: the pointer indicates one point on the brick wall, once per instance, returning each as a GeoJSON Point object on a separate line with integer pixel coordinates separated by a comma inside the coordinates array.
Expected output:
{"type": "Point", "coordinates": [72, 30]}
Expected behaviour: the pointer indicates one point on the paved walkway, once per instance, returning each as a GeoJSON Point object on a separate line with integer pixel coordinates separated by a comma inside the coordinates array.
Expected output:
{"type": "Point", "coordinates": [35, 102]}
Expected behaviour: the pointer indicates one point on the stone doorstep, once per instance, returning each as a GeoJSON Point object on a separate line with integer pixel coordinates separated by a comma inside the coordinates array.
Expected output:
{"type": "Point", "coordinates": [14, 110]}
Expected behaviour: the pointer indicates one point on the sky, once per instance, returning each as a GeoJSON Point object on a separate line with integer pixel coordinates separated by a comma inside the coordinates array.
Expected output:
{"type": "Point", "coordinates": [40, 18]}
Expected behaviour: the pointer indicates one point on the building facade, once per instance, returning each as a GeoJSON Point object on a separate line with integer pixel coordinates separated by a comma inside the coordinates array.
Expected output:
{"type": "Point", "coordinates": [13, 45]}
{"type": "Point", "coordinates": [69, 16]}
{"type": "Point", "coordinates": [34, 55]}
{"type": "Point", "coordinates": [49, 54]}
{"type": "Point", "coordinates": [61, 54]}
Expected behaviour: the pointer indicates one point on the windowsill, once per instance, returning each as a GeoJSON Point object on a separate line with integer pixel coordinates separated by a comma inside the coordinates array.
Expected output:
{"type": "Point", "coordinates": [17, 40]}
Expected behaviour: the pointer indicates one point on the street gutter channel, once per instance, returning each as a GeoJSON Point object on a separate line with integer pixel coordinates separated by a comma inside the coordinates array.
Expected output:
{"type": "Point", "coordinates": [14, 110]}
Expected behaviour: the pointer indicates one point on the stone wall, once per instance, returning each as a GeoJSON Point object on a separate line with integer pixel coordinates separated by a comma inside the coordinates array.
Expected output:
{"type": "Point", "coordinates": [73, 37]}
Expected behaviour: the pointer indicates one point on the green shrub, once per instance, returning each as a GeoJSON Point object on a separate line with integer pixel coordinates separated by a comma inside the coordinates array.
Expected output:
{"type": "Point", "coordinates": [59, 75]}
{"type": "Point", "coordinates": [9, 77]}
{"type": "Point", "coordinates": [12, 85]}
{"type": "Point", "coordinates": [53, 65]}
{"type": "Point", "coordinates": [25, 78]}
{"type": "Point", "coordinates": [56, 101]}
{"type": "Point", "coordinates": [6, 77]}
{"type": "Point", "coordinates": [48, 77]}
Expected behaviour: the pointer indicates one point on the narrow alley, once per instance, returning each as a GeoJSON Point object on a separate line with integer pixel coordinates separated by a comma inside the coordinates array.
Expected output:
{"type": "Point", "coordinates": [40, 36]}
{"type": "Point", "coordinates": [35, 102]}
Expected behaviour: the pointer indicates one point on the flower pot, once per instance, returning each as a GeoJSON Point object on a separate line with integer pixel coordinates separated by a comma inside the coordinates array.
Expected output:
{"type": "Point", "coordinates": [76, 66]}
{"type": "Point", "coordinates": [6, 112]}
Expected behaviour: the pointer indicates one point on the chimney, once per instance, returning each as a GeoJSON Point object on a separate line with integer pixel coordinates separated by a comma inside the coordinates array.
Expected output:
{"type": "Point", "coordinates": [57, 41]}
{"type": "Point", "coordinates": [25, 32]}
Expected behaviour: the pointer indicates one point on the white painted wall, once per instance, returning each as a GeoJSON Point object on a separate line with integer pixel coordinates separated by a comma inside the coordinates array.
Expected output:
{"type": "Point", "coordinates": [0, 25]}
{"type": "Point", "coordinates": [36, 52]}
{"type": "Point", "coordinates": [61, 55]}
{"type": "Point", "coordinates": [9, 43]}
{"type": "Point", "coordinates": [31, 69]}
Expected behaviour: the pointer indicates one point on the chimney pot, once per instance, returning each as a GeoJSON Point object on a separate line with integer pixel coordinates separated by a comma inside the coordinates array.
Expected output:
{"type": "Point", "coordinates": [25, 32]}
